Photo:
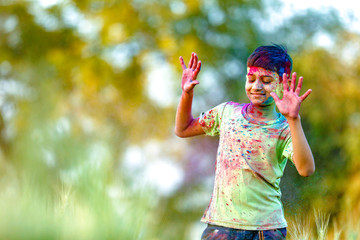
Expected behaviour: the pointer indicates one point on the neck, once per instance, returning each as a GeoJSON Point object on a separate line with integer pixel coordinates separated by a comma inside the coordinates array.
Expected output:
{"type": "Point", "coordinates": [262, 113]}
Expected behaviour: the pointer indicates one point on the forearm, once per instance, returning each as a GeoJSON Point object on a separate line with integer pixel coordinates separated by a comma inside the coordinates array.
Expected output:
{"type": "Point", "coordinates": [303, 158]}
{"type": "Point", "coordinates": [185, 124]}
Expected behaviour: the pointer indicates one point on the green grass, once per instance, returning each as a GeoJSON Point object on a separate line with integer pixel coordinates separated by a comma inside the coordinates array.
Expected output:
{"type": "Point", "coordinates": [28, 210]}
{"type": "Point", "coordinates": [320, 226]}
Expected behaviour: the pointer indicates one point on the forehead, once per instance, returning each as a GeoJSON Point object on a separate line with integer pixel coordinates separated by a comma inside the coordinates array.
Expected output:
{"type": "Point", "coordinates": [261, 72]}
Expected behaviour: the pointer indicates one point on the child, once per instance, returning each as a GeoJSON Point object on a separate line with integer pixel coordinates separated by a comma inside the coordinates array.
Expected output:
{"type": "Point", "coordinates": [254, 145]}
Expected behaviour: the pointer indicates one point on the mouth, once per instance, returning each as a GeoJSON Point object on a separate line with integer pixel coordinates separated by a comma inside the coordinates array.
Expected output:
{"type": "Point", "coordinates": [258, 94]}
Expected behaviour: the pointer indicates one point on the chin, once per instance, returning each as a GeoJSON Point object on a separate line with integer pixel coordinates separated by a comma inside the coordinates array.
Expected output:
{"type": "Point", "coordinates": [262, 103]}
{"type": "Point", "coordinates": [268, 102]}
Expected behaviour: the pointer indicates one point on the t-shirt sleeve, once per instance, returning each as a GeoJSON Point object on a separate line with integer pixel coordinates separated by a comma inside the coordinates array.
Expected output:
{"type": "Point", "coordinates": [211, 120]}
{"type": "Point", "coordinates": [288, 146]}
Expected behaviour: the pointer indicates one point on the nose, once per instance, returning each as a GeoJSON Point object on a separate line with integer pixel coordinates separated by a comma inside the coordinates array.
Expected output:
{"type": "Point", "coordinates": [258, 85]}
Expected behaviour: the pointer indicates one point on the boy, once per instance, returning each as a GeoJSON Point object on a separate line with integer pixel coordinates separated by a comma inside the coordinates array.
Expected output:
{"type": "Point", "coordinates": [254, 145]}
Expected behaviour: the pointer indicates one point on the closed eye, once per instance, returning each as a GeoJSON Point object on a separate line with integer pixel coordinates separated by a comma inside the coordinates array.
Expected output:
{"type": "Point", "coordinates": [267, 79]}
{"type": "Point", "coordinates": [251, 78]}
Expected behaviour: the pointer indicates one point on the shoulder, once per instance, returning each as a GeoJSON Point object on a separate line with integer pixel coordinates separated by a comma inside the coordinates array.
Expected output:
{"type": "Point", "coordinates": [228, 107]}
{"type": "Point", "coordinates": [233, 105]}
{"type": "Point", "coordinates": [283, 125]}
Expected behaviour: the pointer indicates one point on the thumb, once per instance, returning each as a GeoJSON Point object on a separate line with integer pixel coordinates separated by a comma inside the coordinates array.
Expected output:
{"type": "Point", "coordinates": [190, 85]}
{"type": "Point", "coordinates": [194, 82]}
{"type": "Point", "coordinates": [275, 96]}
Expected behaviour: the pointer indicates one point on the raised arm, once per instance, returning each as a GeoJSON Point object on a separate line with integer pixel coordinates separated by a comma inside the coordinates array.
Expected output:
{"type": "Point", "coordinates": [185, 124]}
{"type": "Point", "coordinates": [289, 106]}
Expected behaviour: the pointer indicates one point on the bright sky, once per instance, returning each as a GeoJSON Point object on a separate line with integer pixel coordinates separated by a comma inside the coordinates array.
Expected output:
{"type": "Point", "coordinates": [349, 9]}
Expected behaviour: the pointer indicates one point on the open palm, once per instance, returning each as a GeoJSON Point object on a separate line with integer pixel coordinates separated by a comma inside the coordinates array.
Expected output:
{"type": "Point", "coordinates": [188, 81]}
{"type": "Point", "coordinates": [289, 105]}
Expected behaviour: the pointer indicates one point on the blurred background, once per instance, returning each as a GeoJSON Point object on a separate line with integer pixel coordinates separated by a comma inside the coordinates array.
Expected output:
{"type": "Point", "coordinates": [88, 95]}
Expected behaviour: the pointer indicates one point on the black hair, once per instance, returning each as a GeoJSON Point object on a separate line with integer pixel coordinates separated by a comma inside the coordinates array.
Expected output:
{"type": "Point", "coordinates": [273, 57]}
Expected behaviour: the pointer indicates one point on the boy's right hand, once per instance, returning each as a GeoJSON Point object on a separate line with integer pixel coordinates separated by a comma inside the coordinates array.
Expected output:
{"type": "Point", "coordinates": [189, 75]}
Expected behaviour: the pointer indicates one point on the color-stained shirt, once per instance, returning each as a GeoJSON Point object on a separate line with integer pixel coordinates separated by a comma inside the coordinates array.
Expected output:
{"type": "Point", "coordinates": [250, 161]}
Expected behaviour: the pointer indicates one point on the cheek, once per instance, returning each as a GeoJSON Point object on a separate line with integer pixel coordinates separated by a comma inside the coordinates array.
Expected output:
{"type": "Point", "coordinates": [278, 89]}
{"type": "Point", "coordinates": [247, 87]}
{"type": "Point", "coordinates": [272, 87]}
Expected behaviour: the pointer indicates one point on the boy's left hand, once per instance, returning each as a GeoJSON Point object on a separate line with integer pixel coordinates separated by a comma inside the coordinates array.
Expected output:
{"type": "Point", "coordinates": [289, 105]}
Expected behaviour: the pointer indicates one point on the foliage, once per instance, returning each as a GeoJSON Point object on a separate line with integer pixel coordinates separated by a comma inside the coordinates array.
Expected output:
{"type": "Point", "coordinates": [84, 82]}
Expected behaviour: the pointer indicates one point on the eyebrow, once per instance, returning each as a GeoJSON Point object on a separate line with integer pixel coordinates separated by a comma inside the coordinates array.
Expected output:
{"type": "Point", "coordinates": [251, 74]}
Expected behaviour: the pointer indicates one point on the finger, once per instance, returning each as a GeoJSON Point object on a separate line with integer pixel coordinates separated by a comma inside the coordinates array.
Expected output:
{"type": "Point", "coordinates": [305, 95]}
{"type": "Point", "coordinates": [191, 85]}
{"type": "Point", "coordinates": [299, 86]}
{"type": "Point", "coordinates": [293, 82]}
{"type": "Point", "coordinates": [191, 60]}
{"type": "Point", "coordinates": [194, 82]}
{"type": "Point", "coordinates": [182, 63]}
{"type": "Point", "coordinates": [275, 96]}
{"type": "Point", "coordinates": [195, 62]}
{"type": "Point", "coordinates": [285, 82]}
{"type": "Point", "coordinates": [197, 70]}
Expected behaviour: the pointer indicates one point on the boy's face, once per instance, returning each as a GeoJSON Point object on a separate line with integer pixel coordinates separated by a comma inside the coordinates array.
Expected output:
{"type": "Point", "coordinates": [260, 82]}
